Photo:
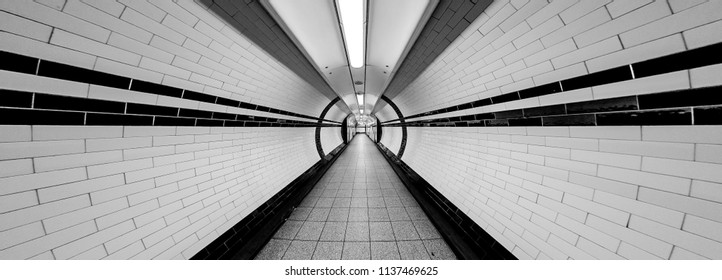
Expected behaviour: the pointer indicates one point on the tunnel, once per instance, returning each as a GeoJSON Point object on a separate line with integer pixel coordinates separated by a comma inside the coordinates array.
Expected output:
{"type": "Point", "coordinates": [361, 129]}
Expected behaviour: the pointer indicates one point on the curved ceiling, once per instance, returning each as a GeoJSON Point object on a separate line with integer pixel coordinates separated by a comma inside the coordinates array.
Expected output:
{"type": "Point", "coordinates": [391, 28]}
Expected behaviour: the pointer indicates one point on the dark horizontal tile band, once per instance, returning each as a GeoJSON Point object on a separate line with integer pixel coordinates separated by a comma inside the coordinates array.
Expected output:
{"type": "Point", "coordinates": [702, 106]}
{"type": "Point", "coordinates": [35, 66]}
{"type": "Point", "coordinates": [27, 108]}
{"type": "Point", "coordinates": [695, 58]}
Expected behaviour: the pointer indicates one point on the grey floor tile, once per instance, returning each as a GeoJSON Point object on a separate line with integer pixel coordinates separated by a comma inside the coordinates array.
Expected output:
{"type": "Point", "coordinates": [384, 251]}
{"type": "Point", "coordinates": [393, 201]}
{"type": "Point", "coordinates": [378, 215]}
{"type": "Point", "coordinates": [273, 250]}
{"type": "Point", "coordinates": [438, 250]}
{"type": "Point", "coordinates": [409, 202]}
{"type": "Point", "coordinates": [329, 193]}
{"type": "Point", "coordinates": [324, 202]}
{"type": "Point", "coordinates": [373, 193]}
{"type": "Point", "coordinates": [416, 213]}
{"type": "Point", "coordinates": [413, 250]}
{"type": "Point", "coordinates": [358, 215]}
{"type": "Point", "coordinates": [316, 192]}
{"type": "Point", "coordinates": [398, 214]}
{"type": "Point", "coordinates": [300, 213]}
{"type": "Point", "coordinates": [426, 230]}
{"type": "Point", "coordinates": [342, 202]}
{"type": "Point", "coordinates": [376, 202]}
{"type": "Point", "coordinates": [359, 202]}
{"type": "Point", "coordinates": [357, 231]}
{"type": "Point", "coordinates": [356, 251]}
{"type": "Point", "coordinates": [288, 230]}
{"type": "Point", "coordinates": [333, 231]}
{"type": "Point", "coordinates": [381, 231]}
{"type": "Point", "coordinates": [309, 201]}
{"type": "Point", "coordinates": [344, 193]}
{"type": "Point", "coordinates": [310, 231]}
{"type": "Point", "coordinates": [318, 214]}
{"type": "Point", "coordinates": [389, 192]}
{"type": "Point", "coordinates": [404, 230]}
{"type": "Point", "coordinates": [338, 214]}
{"type": "Point", "coordinates": [328, 251]}
{"type": "Point", "coordinates": [365, 182]}
{"type": "Point", "coordinates": [300, 250]}
{"type": "Point", "coordinates": [359, 192]}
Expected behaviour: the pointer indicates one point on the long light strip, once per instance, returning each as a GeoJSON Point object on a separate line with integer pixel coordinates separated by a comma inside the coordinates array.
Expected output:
{"type": "Point", "coordinates": [352, 22]}
{"type": "Point", "coordinates": [360, 99]}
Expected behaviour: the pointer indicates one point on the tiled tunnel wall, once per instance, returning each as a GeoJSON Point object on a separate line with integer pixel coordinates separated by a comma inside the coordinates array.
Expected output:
{"type": "Point", "coordinates": [127, 189]}
{"type": "Point", "coordinates": [649, 191]}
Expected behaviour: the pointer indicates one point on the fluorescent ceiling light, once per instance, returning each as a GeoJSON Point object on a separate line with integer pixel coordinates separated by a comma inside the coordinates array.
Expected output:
{"type": "Point", "coordinates": [362, 111]}
{"type": "Point", "coordinates": [360, 99]}
{"type": "Point", "coordinates": [314, 25]}
{"type": "Point", "coordinates": [352, 21]}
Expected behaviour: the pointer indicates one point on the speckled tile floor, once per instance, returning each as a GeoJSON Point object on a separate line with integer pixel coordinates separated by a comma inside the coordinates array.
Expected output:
{"type": "Point", "coordinates": [358, 210]}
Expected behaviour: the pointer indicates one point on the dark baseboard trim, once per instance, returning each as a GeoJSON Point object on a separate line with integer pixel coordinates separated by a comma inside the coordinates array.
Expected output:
{"type": "Point", "coordinates": [244, 240]}
{"type": "Point", "coordinates": [467, 239]}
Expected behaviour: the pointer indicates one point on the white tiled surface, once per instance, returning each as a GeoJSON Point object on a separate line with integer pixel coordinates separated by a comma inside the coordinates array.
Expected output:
{"type": "Point", "coordinates": [513, 46]}
{"type": "Point", "coordinates": [570, 197]}
{"type": "Point", "coordinates": [176, 43]}
{"type": "Point", "coordinates": [145, 193]}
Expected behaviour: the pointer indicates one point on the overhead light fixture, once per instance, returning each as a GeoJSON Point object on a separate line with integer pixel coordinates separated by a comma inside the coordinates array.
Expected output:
{"type": "Point", "coordinates": [352, 23]}
{"type": "Point", "coordinates": [355, 45]}
{"type": "Point", "coordinates": [362, 111]}
{"type": "Point", "coordinates": [360, 99]}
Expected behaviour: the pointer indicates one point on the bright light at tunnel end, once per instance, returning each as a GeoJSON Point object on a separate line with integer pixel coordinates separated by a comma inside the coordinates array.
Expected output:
{"type": "Point", "coordinates": [352, 19]}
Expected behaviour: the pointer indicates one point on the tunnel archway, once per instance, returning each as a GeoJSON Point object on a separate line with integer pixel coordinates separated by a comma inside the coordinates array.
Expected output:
{"type": "Point", "coordinates": [402, 124]}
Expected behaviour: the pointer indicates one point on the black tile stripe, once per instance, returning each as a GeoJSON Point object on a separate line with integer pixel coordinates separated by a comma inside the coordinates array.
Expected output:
{"type": "Point", "coordinates": [118, 119]}
{"type": "Point", "coordinates": [27, 108]}
{"type": "Point", "coordinates": [66, 72]}
{"type": "Point", "coordinates": [700, 57]}
{"type": "Point", "coordinates": [40, 117]}
{"type": "Point", "coordinates": [145, 109]}
{"type": "Point", "coordinates": [197, 96]}
{"type": "Point", "coordinates": [148, 87]}
{"type": "Point", "coordinates": [11, 98]}
{"type": "Point", "coordinates": [709, 115]}
{"type": "Point", "coordinates": [57, 102]}
{"type": "Point", "coordinates": [35, 66]}
{"type": "Point", "coordinates": [18, 63]}
{"type": "Point", "coordinates": [699, 106]}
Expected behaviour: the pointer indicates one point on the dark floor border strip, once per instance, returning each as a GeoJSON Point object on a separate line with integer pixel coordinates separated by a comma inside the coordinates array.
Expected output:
{"type": "Point", "coordinates": [699, 106]}
{"type": "Point", "coordinates": [36, 66]}
{"type": "Point", "coordinates": [245, 240]}
{"type": "Point", "coordinates": [27, 108]}
{"type": "Point", "coordinates": [467, 239]}
{"type": "Point", "coordinates": [700, 57]}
